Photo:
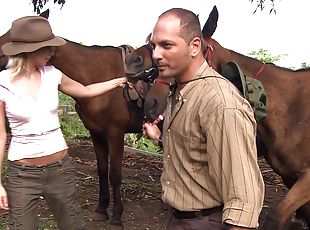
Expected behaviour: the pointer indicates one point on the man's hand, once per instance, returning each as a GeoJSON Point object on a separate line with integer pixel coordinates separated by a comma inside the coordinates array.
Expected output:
{"type": "Point", "coordinates": [151, 131]}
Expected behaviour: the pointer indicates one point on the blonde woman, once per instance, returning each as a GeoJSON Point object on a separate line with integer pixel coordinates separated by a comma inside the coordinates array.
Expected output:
{"type": "Point", "coordinates": [38, 161]}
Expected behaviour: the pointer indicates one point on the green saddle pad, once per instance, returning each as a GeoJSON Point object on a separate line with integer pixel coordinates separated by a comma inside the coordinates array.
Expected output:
{"type": "Point", "coordinates": [251, 88]}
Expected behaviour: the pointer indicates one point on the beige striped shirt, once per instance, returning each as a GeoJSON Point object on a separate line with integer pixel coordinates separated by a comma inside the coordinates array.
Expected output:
{"type": "Point", "coordinates": [210, 151]}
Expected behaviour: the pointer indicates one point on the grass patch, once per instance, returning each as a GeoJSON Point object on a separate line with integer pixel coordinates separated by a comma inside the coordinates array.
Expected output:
{"type": "Point", "coordinates": [47, 224]}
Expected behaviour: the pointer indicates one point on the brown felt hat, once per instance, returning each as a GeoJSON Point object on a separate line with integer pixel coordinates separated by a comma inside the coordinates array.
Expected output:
{"type": "Point", "coordinates": [30, 33]}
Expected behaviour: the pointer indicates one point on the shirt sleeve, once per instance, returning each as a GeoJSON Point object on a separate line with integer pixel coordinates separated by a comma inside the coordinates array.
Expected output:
{"type": "Point", "coordinates": [231, 141]}
{"type": "Point", "coordinates": [56, 73]}
{"type": "Point", "coordinates": [2, 92]}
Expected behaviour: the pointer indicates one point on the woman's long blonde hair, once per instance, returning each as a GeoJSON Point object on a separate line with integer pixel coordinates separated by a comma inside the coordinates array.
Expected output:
{"type": "Point", "coordinates": [16, 64]}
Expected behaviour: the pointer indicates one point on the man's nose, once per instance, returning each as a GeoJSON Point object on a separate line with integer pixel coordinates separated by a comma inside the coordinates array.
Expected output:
{"type": "Point", "coordinates": [157, 53]}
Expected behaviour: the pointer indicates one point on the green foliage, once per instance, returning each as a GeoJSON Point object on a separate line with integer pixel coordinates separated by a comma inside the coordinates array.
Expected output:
{"type": "Point", "coordinates": [70, 123]}
{"type": "Point", "coordinates": [264, 56]}
{"type": "Point", "coordinates": [65, 99]}
{"type": "Point", "coordinates": [47, 223]}
{"type": "Point", "coordinates": [72, 126]}
{"type": "Point", "coordinates": [305, 65]}
{"type": "Point", "coordinates": [139, 142]}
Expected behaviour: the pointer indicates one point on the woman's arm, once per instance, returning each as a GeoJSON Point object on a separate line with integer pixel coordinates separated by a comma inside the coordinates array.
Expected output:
{"type": "Point", "coordinates": [77, 90]}
{"type": "Point", "coordinates": [3, 136]}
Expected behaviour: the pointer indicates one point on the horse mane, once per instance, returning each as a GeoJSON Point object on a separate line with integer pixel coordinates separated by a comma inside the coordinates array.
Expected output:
{"type": "Point", "coordinates": [304, 69]}
{"type": "Point", "coordinates": [268, 63]}
{"type": "Point", "coordinates": [99, 47]}
{"type": "Point", "coordinates": [91, 46]}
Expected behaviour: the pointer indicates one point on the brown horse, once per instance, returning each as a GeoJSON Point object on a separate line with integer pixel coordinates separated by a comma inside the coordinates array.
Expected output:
{"type": "Point", "coordinates": [107, 117]}
{"type": "Point", "coordinates": [284, 134]}
{"type": "Point", "coordinates": [3, 59]}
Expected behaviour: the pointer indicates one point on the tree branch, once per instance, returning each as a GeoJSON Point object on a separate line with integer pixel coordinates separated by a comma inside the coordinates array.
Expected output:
{"type": "Point", "coordinates": [39, 4]}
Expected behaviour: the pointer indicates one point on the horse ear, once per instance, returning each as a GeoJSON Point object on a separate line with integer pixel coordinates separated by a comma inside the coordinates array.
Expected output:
{"type": "Point", "coordinates": [211, 23]}
{"type": "Point", "coordinates": [45, 14]}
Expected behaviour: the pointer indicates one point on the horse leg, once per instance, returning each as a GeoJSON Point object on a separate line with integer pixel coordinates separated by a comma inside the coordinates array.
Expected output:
{"type": "Point", "coordinates": [116, 149]}
{"type": "Point", "coordinates": [101, 150]}
{"type": "Point", "coordinates": [296, 197]}
{"type": "Point", "coordinates": [304, 213]}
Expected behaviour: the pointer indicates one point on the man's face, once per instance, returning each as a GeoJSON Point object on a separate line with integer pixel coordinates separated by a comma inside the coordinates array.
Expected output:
{"type": "Point", "coordinates": [171, 52]}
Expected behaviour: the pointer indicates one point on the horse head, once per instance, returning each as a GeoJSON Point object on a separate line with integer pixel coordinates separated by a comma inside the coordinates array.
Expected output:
{"type": "Point", "coordinates": [139, 64]}
{"type": "Point", "coordinates": [156, 99]}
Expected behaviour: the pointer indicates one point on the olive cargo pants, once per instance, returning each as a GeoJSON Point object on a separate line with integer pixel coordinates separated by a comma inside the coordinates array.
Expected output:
{"type": "Point", "coordinates": [55, 182]}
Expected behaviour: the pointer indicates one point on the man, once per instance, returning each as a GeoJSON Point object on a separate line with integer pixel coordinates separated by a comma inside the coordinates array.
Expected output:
{"type": "Point", "coordinates": [210, 178]}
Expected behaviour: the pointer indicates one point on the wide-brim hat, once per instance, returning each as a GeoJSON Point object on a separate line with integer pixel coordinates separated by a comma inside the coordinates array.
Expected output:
{"type": "Point", "coordinates": [30, 33]}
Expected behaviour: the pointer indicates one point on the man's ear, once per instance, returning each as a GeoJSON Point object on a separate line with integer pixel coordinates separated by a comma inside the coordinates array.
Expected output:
{"type": "Point", "coordinates": [195, 46]}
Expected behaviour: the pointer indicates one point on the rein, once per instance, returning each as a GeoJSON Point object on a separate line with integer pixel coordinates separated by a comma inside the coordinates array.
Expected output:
{"type": "Point", "coordinates": [159, 80]}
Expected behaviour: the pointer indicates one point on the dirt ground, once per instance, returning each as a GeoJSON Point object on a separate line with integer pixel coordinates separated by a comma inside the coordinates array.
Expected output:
{"type": "Point", "coordinates": [141, 189]}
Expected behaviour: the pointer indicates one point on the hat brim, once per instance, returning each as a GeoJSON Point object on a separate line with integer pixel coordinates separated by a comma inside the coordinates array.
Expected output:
{"type": "Point", "coordinates": [14, 48]}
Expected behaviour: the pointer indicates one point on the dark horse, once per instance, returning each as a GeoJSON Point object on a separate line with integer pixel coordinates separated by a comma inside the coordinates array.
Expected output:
{"type": "Point", "coordinates": [107, 117]}
{"type": "Point", "coordinates": [285, 133]}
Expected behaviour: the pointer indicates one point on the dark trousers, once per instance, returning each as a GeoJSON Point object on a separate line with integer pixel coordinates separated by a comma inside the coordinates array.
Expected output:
{"type": "Point", "coordinates": [55, 182]}
{"type": "Point", "coordinates": [210, 222]}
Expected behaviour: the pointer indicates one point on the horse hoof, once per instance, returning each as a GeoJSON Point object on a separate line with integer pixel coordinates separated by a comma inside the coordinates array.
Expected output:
{"type": "Point", "coordinates": [96, 216]}
{"type": "Point", "coordinates": [116, 227]}
{"type": "Point", "coordinates": [117, 223]}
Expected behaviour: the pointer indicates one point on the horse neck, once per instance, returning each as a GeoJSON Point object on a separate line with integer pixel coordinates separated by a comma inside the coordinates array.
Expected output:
{"type": "Point", "coordinates": [67, 59]}
{"type": "Point", "coordinates": [77, 61]}
{"type": "Point", "coordinates": [249, 66]}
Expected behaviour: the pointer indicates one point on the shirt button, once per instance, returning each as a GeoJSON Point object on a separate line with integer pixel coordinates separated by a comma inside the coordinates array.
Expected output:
{"type": "Point", "coordinates": [168, 130]}
{"type": "Point", "coordinates": [168, 156]}
{"type": "Point", "coordinates": [168, 182]}
{"type": "Point", "coordinates": [184, 100]}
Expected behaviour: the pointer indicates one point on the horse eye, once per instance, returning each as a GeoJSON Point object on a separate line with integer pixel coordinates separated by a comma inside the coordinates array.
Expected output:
{"type": "Point", "coordinates": [152, 45]}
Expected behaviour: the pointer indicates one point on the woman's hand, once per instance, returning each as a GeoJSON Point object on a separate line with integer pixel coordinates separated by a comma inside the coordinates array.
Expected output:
{"type": "Point", "coordinates": [121, 81]}
{"type": "Point", "coordinates": [3, 199]}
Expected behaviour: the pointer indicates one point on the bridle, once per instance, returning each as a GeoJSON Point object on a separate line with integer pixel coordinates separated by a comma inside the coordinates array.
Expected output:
{"type": "Point", "coordinates": [208, 54]}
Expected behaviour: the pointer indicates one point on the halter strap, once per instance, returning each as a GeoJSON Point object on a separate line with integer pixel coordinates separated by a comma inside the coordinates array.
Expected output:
{"type": "Point", "coordinates": [260, 70]}
{"type": "Point", "coordinates": [160, 80]}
